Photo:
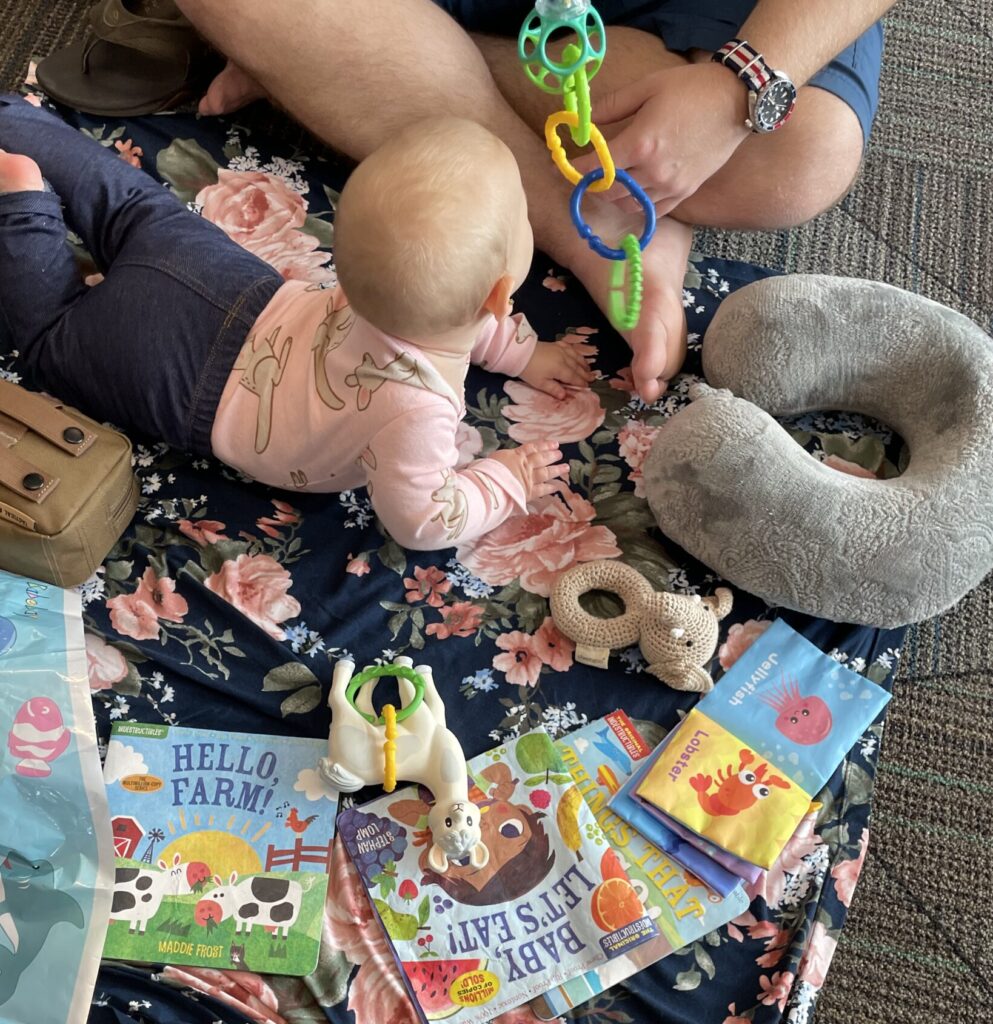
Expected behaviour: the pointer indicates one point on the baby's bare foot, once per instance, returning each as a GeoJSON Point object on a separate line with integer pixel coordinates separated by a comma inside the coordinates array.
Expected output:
{"type": "Point", "coordinates": [19, 173]}
{"type": "Point", "coordinates": [231, 90]}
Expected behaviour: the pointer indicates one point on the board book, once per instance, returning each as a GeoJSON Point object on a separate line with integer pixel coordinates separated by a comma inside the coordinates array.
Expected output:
{"type": "Point", "coordinates": [744, 765]}
{"type": "Point", "coordinates": [550, 904]}
{"type": "Point", "coordinates": [600, 756]}
{"type": "Point", "coordinates": [222, 844]}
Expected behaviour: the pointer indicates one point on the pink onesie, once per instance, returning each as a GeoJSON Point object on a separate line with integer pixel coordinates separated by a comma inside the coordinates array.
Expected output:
{"type": "Point", "coordinates": [320, 400]}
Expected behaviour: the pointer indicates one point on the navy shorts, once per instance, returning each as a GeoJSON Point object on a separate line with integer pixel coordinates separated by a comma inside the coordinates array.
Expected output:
{"type": "Point", "coordinates": [853, 76]}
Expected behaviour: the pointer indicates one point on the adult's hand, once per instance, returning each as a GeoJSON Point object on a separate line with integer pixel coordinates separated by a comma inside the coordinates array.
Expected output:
{"type": "Point", "coordinates": [686, 123]}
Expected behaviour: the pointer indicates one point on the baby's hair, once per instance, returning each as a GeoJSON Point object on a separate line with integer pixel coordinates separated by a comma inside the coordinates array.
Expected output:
{"type": "Point", "coordinates": [424, 227]}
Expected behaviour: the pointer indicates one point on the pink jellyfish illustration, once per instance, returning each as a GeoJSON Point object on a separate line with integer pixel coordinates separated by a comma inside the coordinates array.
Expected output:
{"type": "Point", "coordinates": [801, 719]}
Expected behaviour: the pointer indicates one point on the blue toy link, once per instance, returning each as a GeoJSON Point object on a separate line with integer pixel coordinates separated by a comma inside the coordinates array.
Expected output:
{"type": "Point", "coordinates": [594, 241]}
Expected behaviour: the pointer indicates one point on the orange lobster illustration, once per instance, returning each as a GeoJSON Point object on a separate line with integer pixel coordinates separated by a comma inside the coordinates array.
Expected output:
{"type": "Point", "coordinates": [736, 791]}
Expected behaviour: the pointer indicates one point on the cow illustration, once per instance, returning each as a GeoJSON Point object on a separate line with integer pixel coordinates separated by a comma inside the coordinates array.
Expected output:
{"type": "Point", "coordinates": [266, 901]}
{"type": "Point", "coordinates": [138, 892]}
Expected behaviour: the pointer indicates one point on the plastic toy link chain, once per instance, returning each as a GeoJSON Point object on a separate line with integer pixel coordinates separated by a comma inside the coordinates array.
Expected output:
{"type": "Point", "coordinates": [390, 716]}
{"type": "Point", "coordinates": [571, 78]}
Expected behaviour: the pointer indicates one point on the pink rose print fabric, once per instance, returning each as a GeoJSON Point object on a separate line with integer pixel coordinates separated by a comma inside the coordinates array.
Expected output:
{"type": "Point", "coordinates": [227, 604]}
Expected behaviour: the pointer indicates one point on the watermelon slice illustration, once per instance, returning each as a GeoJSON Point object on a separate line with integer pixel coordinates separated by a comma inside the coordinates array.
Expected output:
{"type": "Point", "coordinates": [431, 981]}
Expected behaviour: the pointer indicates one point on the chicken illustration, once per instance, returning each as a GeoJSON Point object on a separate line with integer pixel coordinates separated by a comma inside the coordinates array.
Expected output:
{"type": "Point", "coordinates": [736, 791]}
{"type": "Point", "coordinates": [295, 822]}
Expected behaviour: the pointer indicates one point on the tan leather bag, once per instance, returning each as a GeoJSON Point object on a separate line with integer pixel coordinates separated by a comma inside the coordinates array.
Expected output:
{"type": "Point", "coordinates": [67, 490]}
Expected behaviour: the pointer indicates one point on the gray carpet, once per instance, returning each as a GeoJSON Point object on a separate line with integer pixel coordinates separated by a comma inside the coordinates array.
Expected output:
{"type": "Point", "coordinates": [915, 947]}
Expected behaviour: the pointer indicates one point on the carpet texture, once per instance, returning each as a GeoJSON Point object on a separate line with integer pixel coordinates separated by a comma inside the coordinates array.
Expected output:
{"type": "Point", "coordinates": [920, 217]}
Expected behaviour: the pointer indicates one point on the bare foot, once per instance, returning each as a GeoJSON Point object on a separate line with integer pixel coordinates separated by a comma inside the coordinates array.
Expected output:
{"type": "Point", "coordinates": [19, 173]}
{"type": "Point", "coordinates": [231, 90]}
{"type": "Point", "coordinates": [659, 340]}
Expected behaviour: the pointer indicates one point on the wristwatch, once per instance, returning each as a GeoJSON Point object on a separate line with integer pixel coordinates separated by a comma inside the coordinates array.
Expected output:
{"type": "Point", "coordinates": [771, 94]}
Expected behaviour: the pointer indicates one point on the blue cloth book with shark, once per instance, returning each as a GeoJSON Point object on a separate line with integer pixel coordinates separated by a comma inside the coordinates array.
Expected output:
{"type": "Point", "coordinates": [56, 860]}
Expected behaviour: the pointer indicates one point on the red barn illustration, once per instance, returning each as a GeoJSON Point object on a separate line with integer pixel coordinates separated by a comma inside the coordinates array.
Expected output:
{"type": "Point", "coordinates": [127, 832]}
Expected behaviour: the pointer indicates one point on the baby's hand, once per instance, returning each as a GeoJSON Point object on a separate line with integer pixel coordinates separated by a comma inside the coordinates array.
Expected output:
{"type": "Point", "coordinates": [555, 363]}
{"type": "Point", "coordinates": [536, 465]}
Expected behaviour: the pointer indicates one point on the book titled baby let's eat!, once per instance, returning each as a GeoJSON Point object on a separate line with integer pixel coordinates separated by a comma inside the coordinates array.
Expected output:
{"type": "Point", "coordinates": [222, 844]}
{"type": "Point", "coordinates": [551, 903]}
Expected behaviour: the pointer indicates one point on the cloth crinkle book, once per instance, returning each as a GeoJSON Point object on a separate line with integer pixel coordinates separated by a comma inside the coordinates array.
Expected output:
{"type": "Point", "coordinates": [743, 767]}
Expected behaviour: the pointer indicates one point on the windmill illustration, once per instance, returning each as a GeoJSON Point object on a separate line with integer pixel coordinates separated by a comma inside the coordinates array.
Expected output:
{"type": "Point", "coordinates": [154, 836]}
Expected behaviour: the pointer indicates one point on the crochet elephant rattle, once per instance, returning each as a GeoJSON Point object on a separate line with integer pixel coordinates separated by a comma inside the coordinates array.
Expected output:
{"type": "Point", "coordinates": [677, 634]}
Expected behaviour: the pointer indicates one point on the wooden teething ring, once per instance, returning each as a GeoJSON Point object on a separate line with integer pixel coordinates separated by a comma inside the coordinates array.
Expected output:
{"type": "Point", "coordinates": [613, 577]}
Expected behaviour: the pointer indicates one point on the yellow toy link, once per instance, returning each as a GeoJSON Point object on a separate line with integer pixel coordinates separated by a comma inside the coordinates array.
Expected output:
{"type": "Point", "coordinates": [557, 150]}
{"type": "Point", "coordinates": [390, 748]}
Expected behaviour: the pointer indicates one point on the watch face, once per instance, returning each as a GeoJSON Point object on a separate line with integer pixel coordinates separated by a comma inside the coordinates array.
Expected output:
{"type": "Point", "coordinates": [774, 104]}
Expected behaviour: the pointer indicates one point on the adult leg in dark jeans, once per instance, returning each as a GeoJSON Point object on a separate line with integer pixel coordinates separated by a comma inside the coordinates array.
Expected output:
{"type": "Point", "coordinates": [151, 346]}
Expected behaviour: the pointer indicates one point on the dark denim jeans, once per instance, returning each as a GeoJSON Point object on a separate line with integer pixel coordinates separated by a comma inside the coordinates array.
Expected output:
{"type": "Point", "coordinates": [151, 347]}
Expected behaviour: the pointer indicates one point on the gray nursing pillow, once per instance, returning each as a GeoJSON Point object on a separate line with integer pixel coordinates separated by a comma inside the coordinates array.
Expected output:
{"type": "Point", "coordinates": [727, 483]}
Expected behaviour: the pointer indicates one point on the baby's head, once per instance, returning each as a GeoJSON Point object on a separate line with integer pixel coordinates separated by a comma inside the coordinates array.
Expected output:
{"type": "Point", "coordinates": [431, 231]}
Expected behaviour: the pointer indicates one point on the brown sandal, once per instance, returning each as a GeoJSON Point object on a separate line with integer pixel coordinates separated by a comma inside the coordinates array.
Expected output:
{"type": "Point", "coordinates": [139, 57]}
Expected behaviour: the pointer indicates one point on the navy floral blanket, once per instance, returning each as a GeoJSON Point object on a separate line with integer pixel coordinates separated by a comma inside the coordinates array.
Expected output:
{"type": "Point", "coordinates": [226, 605]}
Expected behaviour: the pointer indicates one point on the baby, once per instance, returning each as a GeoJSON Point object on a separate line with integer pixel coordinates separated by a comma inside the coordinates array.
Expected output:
{"type": "Point", "coordinates": [194, 340]}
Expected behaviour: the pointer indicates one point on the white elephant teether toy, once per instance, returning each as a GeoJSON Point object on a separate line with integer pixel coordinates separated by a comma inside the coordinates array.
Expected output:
{"type": "Point", "coordinates": [677, 634]}
{"type": "Point", "coordinates": [412, 743]}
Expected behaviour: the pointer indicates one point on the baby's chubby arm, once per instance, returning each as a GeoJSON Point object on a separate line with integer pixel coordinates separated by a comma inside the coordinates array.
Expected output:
{"type": "Point", "coordinates": [426, 503]}
{"type": "Point", "coordinates": [510, 346]}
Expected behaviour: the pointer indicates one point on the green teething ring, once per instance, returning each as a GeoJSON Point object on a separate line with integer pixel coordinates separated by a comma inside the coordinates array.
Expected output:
{"type": "Point", "coordinates": [378, 672]}
{"type": "Point", "coordinates": [625, 313]}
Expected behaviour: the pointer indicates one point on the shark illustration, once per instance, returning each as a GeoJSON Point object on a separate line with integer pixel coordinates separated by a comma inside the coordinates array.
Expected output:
{"type": "Point", "coordinates": [30, 906]}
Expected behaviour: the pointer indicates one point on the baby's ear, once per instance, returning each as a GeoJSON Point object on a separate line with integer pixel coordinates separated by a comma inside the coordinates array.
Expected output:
{"type": "Point", "coordinates": [438, 859]}
{"type": "Point", "coordinates": [498, 301]}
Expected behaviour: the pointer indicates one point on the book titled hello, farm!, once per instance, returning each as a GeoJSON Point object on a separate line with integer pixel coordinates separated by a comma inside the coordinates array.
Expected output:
{"type": "Point", "coordinates": [222, 844]}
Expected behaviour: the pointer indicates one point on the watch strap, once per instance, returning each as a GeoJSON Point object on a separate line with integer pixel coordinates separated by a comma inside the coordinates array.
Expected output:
{"type": "Point", "coordinates": [746, 62]}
